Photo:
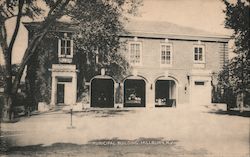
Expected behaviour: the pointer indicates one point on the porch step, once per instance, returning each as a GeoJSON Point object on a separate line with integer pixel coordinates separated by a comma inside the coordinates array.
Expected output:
{"type": "Point", "coordinates": [59, 106]}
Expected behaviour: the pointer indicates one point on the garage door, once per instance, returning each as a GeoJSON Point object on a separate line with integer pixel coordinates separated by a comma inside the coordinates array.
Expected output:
{"type": "Point", "coordinates": [102, 93]}
{"type": "Point", "coordinates": [134, 93]}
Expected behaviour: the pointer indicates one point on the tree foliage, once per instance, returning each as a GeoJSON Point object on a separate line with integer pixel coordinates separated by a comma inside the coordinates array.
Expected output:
{"type": "Point", "coordinates": [97, 25]}
{"type": "Point", "coordinates": [236, 75]}
{"type": "Point", "coordinates": [18, 9]}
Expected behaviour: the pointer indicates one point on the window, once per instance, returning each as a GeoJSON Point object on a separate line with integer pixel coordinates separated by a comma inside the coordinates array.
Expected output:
{"type": "Point", "coordinates": [65, 47]}
{"type": "Point", "coordinates": [199, 54]}
{"type": "Point", "coordinates": [64, 79]}
{"type": "Point", "coordinates": [199, 83]}
{"type": "Point", "coordinates": [166, 54]}
{"type": "Point", "coordinates": [135, 51]}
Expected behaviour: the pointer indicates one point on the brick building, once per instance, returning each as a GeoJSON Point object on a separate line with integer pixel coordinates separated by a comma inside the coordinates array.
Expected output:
{"type": "Point", "coordinates": [171, 65]}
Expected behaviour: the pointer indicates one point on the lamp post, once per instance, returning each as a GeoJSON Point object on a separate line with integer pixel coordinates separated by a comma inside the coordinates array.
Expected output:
{"type": "Point", "coordinates": [71, 118]}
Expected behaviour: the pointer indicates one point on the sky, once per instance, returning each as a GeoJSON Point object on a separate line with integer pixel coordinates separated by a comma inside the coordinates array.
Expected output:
{"type": "Point", "coordinates": [201, 14]}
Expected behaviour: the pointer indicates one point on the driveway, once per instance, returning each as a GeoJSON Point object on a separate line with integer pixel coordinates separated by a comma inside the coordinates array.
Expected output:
{"type": "Point", "coordinates": [129, 132]}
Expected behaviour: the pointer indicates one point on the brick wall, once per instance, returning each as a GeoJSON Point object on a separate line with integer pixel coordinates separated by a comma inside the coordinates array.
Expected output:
{"type": "Point", "coordinates": [182, 65]}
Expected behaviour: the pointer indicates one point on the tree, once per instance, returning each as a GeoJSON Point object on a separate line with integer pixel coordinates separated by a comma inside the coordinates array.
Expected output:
{"type": "Point", "coordinates": [19, 9]}
{"type": "Point", "coordinates": [97, 38]}
{"type": "Point", "coordinates": [237, 71]}
{"type": "Point", "coordinates": [56, 9]}
{"type": "Point", "coordinates": [96, 43]}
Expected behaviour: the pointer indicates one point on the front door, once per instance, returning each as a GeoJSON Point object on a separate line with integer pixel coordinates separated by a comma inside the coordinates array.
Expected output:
{"type": "Point", "coordinates": [60, 93]}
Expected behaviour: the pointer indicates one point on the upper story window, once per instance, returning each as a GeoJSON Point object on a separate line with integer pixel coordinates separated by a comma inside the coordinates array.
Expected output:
{"type": "Point", "coordinates": [199, 54]}
{"type": "Point", "coordinates": [166, 54]}
{"type": "Point", "coordinates": [65, 46]}
{"type": "Point", "coordinates": [135, 53]}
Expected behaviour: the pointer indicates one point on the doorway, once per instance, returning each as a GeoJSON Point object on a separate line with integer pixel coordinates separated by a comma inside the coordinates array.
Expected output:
{"type": "Point", "coordinates": [165, 93]}
{"type": "Point", "coordinates": [134, 93]}
{"type": "Point", "coordinates": [60, 93]}
{"type": "Point", "coordinates": [102, 93]}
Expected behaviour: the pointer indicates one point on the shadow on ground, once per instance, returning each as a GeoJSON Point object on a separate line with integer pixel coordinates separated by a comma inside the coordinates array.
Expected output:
{"type": "Point", "coordinates": [145, 147]}
{"type": "Point", "coordinates": [231, 113]}
{"type": "Point", "coordinates": [103, 112]}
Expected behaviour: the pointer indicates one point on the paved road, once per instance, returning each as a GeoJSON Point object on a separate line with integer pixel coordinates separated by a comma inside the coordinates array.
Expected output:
{"type": "Point", "coordinates": [174, 132]}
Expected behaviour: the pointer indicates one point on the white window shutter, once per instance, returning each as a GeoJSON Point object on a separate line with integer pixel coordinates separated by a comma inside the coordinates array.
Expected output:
{"type": "Point", "coordinates": [71, 48]}
{"type": "Point", "coordinates": [59, 48]}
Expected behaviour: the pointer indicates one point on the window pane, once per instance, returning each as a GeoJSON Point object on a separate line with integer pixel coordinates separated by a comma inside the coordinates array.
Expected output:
{"type": "Point", "coordinates": [162, 53]}
{"type": "Point", "coordinates": [195, 50]}
{"type": "Point", "coordinates": [63, 43]}
{"type": "Point", "coordinates": [163, 48]}
{"type": "Point", "coordinates": [137, 47]}
{"type": "Point", "coordinates": [62, 51]}
{"type": "Point", "coordinates": [200, 57]}
{"type": "Point", "coordinates": [167, 48]}
{"type": "Point", "coordinates": [200, 49]}
{"type": "Point", "coordinates": [68, 43]}
{"type": "Point", "coordinates": [196, 57]}
{"type": "Point", "coordinates": [68, 51]}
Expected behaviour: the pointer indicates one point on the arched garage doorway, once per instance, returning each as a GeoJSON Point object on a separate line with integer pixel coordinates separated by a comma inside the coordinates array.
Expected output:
{"type": "Point", "coordinates": [134, 93]}
{"type": "Point", "coordinates": [165, 93]}
{"type": "Point", "coordinates": [102, 93]}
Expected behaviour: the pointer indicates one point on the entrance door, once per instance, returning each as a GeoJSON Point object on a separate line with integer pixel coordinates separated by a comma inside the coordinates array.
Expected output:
{"type": "Point", "coordinates": [134, 93]}
{"type": "Point", "coordinates": [60, 93]}
{"type": "Point", "coordinates": [102, 93]}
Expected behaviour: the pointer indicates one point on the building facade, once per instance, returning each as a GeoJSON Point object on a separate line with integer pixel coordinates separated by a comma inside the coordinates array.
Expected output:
{"type": "Point", "coordinates": [171, 66]}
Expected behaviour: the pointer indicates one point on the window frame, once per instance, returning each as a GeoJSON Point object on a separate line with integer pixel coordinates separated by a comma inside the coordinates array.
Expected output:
{"type": "Point", "coordinates": [171, 55]}
{"type": "Point", "coordinates": [60, 55]}
{"type": "Point", "coordinates": [203, 53]}
{"type": "Point", "coordinates": [129, 48]}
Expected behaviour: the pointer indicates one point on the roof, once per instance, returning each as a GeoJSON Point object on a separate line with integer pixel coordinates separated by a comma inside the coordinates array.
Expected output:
{"type": "Point", "coordinates": [59, 26]}
{"type": "Point", "coordinates": [168, 30]}
{"type": "Point", "coordinates": [151, 29]}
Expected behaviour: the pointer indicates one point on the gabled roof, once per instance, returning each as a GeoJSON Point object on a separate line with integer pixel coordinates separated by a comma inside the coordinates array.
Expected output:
{"type": "Point", "coordinates": [168, 30]}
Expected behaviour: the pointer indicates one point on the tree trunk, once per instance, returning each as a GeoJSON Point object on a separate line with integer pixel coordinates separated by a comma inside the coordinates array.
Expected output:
{"type": "Point", "coordinates": [12, 86]}
{"type": "Point", "coordinates": [242, 102]}
{"type": "Point", "coordinates": [7, 112]}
